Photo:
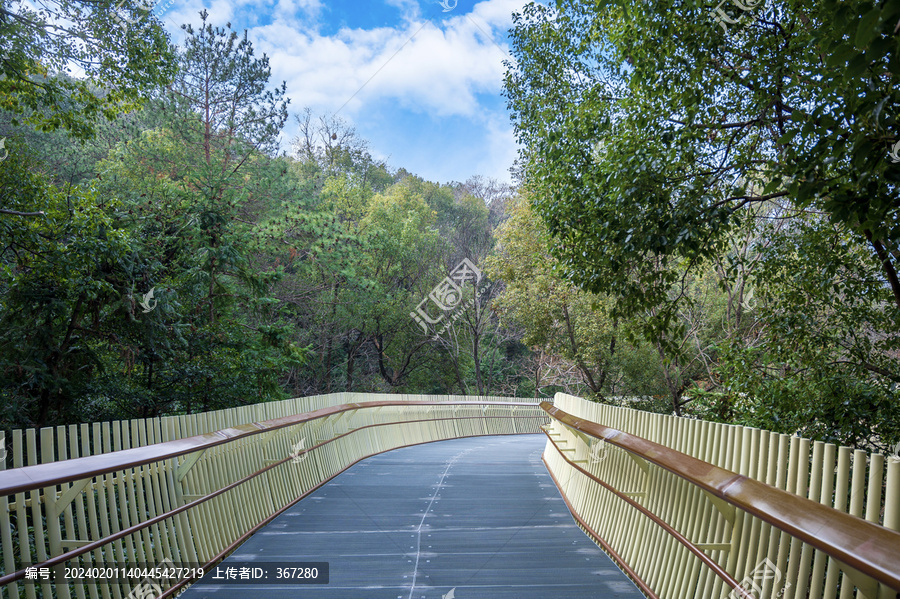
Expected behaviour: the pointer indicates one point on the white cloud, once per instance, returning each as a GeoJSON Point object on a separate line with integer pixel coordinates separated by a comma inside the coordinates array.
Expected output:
{"type": "Point", "coordinates": [307, 12]}
{"type": "Point", "coordinates": [438, 69]}
{"type": "Point", "coordinates": [498, 13]}
{"type": "Point", "coordinates": [409, 8]}
{"type": "Point", "coordinates": [427, 70]}
{"type": "Point", "coordinates": [502, 153]}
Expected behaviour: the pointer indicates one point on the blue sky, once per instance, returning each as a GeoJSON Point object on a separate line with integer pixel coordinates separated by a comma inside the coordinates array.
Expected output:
{"type": "Point", "coordinates": [422, 84]}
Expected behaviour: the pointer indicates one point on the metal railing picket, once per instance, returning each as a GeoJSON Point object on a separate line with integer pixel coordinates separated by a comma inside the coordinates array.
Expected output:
{"type": "Point", "coordinates": [782, 516]}
{"type": "Point", "coordinates": [150, 491]}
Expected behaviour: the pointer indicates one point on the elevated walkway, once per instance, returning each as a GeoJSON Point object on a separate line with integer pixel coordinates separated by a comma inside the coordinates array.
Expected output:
{"type": "Point", "coordinates": [478, 517]}
{"type": "Point", "coordinates": [421, 497]}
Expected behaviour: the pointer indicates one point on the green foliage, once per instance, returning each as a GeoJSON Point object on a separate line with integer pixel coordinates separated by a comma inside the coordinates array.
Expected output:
{"type": "Point", "coordinates": [635, 181]}
{"type": "Point", "coordinates": [821, 357]}
{"type": "Point", "coordinates": [559, 320]}
{"type": "Point", "coordinates": [326, 147]}
{"type": "Point", "coordinates": [169, 261]}
{"type": "Point", "coordinates": [122, 63]}
{"type": "Point", "coordinates": [58, 272]}
{"type": "Point", "coordinates": [708, 226]}
{"type": "Point", "coordinates": [171, 212]}
{"type": "Point", "coordinates": [672, 156]}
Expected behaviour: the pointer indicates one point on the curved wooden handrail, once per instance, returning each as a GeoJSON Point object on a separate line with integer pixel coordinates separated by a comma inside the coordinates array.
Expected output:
{"type": "Point", "coordinates": [863, 545]}
{"type": "Point", "coordinates": [618, 559]}
{"type": "Point", "coordinates": [693, 548]}
{"type": "Point", "coordinates": [199, 442]}
{"type": "Point", "coordinates": [27, 478]}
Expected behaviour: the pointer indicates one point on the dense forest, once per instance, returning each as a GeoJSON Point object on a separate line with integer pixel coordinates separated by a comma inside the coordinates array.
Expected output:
{"type": "Point", "coordinates": [715, 251]}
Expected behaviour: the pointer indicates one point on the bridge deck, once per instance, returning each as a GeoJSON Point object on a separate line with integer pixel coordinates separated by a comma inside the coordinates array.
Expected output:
{"type": "Point", "coordinates": [463, 519]}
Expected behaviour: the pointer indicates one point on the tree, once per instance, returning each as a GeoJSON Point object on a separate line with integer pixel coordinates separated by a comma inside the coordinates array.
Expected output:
{"type": "Point", "coordinates": [122, 64]}
{"type": "Point", "coordinates": [59, 274]}
{"type": "Point", "coordinates": [494, 194]}
{"type": "Point", "coordinates": [228, 119]}
{"type": "Point", "coordinates": [193, 187]}
{"type": "Point", "coordinates": [625, 171]}
{"type": "Point", "coordinates": [819, 356]}
{"type": "Point", "coordinates": [328, 147]}
{"type": "Point", "coordinates": [400, 250]}
{"type": "Point", "coordinates": [650, 148]}
{"type": "Point", "coordinates": [560, 321]}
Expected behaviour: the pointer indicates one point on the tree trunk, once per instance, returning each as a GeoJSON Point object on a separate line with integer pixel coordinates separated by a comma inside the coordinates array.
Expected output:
{"type": "Point", "coordinates": [887, 266]}
{"type": "Point", "coordinates": [326, 365]}
{"type": "Point", "coordinates": [674, 389]}
{"type": "Point", "coordinates": [350, 360]}
{"type": "Point", "coordinates": [585, 371]}
{"type": "Point", "coordinates": [477, 358]}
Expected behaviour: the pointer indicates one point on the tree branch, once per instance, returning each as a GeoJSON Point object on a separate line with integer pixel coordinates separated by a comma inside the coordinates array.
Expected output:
{"type": "Point", "coordinates": [886, 266]}
{"type": "Point", "coordinates": [17, 213]}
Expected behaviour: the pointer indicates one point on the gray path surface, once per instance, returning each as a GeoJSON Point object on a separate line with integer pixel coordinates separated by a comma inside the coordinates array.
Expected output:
{"type": "Point", "coordinates": [472, 518]}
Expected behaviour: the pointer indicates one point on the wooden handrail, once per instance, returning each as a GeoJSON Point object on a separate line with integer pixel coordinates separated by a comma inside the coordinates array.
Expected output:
{"type": "Point", "coordinates": [44, 475]}
{"type": "Point", "coordinates": [618, 559]}
{"type": "Point", "coordinates": [858, 543]}
{"type": "Point", "coordinates": [693, 548]}
{"type": "Point", "coordinates": [27, 478]}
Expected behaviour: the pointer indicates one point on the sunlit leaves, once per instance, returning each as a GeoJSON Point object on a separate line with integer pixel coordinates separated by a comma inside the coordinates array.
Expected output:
{"type": "Point", "coordinates": [68, 64]}
{"type": "Point", "coordinates": [707, 130]}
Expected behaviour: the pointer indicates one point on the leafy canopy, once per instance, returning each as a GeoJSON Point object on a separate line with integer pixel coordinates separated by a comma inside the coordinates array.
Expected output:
{"type": "Point", "coordinates": [650, 130]}
{"type": "Point", "coordinates": [66, 64]}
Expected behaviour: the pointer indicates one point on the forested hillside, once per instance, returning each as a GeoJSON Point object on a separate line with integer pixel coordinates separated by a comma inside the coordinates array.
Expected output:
{"type": "Point", "coordinates": [163, 251]}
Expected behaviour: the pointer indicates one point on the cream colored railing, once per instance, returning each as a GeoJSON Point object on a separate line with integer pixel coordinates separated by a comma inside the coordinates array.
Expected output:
{"type": "Point", "coordinates": [677, 503]}
{"type": "Point", "coordinates": [187, 490]}
{"type": "Point", "coordinates": [184, 491]}
{"type": "Point", "coordinates": [31, 446]}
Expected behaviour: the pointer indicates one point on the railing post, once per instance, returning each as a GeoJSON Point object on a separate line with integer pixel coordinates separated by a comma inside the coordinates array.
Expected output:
{"type": "Point", "coordinates": [778, 525]}
{"type": "Point", "coordinates": [137, 508]}
{"type": "Point", "coordinates": [891, 511]}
